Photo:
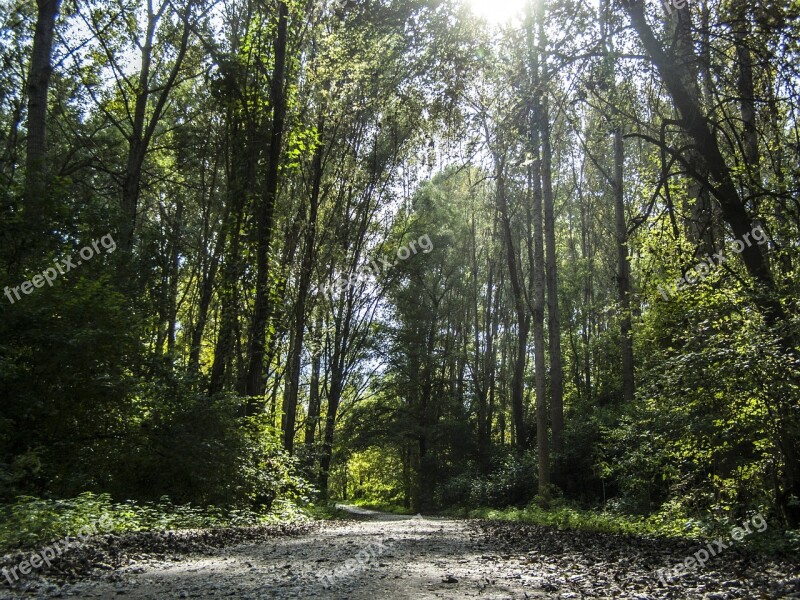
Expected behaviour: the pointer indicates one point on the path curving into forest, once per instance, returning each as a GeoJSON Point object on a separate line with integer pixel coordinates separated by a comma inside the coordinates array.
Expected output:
{"type": "Point", "coordinates": [376, 555]}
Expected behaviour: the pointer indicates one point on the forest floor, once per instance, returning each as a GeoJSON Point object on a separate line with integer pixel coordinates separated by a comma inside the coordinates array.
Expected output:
{"type": "Point", "coordinates": [376, 555]}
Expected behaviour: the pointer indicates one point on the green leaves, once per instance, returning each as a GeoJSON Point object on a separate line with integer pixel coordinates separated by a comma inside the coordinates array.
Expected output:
{"type": "Point", "coordinates": [32, 521]}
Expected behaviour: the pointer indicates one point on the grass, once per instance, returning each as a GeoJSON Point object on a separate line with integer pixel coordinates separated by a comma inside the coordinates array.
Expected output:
{"type": "Point", "coordinates": [31, 521]}
{"type": "Point", "coordinates": [560, 517]}
{"type": "Point", "coordinates": [771, 541]}
{"type": "Point", "coordinates": [386, 507]}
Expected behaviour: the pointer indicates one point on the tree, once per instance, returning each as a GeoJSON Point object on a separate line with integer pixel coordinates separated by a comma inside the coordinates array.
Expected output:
{"type": "Point", "coordinates": [38, 88]}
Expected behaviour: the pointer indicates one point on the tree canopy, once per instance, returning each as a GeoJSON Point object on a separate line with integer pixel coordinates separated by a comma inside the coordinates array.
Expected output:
{"type": "Point", "coordinates": [394, 251]}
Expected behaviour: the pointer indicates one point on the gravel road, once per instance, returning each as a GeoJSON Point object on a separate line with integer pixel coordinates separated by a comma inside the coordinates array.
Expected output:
{"type": "Point", "coordinates": [376, 556]}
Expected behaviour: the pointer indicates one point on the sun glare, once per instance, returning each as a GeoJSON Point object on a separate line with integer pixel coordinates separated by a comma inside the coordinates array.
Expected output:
{"type": "Point", "coordinates": [497, 12]}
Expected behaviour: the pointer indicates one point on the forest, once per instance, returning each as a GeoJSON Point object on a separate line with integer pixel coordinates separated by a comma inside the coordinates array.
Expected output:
{"type": "Point", "coordinates": [533, 260]}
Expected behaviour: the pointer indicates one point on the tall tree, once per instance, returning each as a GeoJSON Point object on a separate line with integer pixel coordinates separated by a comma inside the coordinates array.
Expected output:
{"type": "Point", "coordinates": [551, 258]}
{"type": "Point", "coordinates": [143, 127]}
{"type": "Point", "coordinates": [265, 211]}
{"type": "Point", "coordinates": [303, 287]}
{"type": "Point", "coordinates": [536, 260]}
{"type": "Point", "coordinates": [696, 125]}
{"type": "Point", "coordinates": [38, 87]}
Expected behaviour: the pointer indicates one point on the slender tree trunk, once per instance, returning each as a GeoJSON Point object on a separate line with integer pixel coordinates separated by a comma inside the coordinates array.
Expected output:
{"type": "Point", "coordinates": [477, 374]}
{"type": "Point", "coordinates": [503, 391]}
{"type": "Point", "coordinates": [621, 227]}
{"type": "Point", "coordinates": [142, 128]}
{"type": "Point", "coordinates": [747, 103]}
{"type": "Point", "coordinates": [174, 272]}
{"type": "Point", "coordinates": [588, 290]}
{"type": "Point", "coordinates": [539, 365]}
{"type": "Point", "coordinates": [423, 498]}
{"type": "Point", "coordinates": [313, 393]}
{"type": "Point", "coordinates": [334, 397]}
{"type": "Point", "coordinates": [136, 150]}
{"type": "Point", "coordinates": [487, 392]}
{"type": "Point", "coordinates": [491, 358]}
{"type": "Point", "coordinates": [38, 87]}
{"type": "Point", "coordinates": [254, 384]}
{"type": "Point", "coordinates": [523, 317]}
{"type": "Point", "coordinates": [537, 264]}
{"type": "Point", "coordinates": [278, 321]}
{"type": "Point", "coordinates": [296, 347]}
{"type": "Point", "coordinates": [623, 271]}
{"type": "Point", "coordinates": [342, 324]}
{"type": "Point", "coordinates": [551, 264]}
{"type": "Point", "coordinates": [229, 314]}
{"type": "Point", "coordinates": [406, 477]}
{"type": "Point", "coordinates": [240, 170]}
{"type": "Point", "coordinates": [206, 295]}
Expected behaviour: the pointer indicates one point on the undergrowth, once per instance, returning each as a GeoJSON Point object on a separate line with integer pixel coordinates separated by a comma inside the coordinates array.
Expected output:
{"type": "Point", "coordinates": [772, 540]}
{"type": "Point", "coordinates": [30, 520]}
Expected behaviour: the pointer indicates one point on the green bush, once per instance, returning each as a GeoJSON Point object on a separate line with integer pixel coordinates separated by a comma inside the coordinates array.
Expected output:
{"type": "Point", "coordinates": [510, 482]}
{"type": "Point", "coordinates": [198, 451]}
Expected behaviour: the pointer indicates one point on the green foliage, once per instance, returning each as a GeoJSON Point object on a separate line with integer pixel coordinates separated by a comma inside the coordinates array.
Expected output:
{"type": "Point", "coordinates": [704, 432]}
{"type": "Point", "coordinates": [30, 521]}
{"type": "Point", "coordinates": [510, 482]}
{"type": "Point", "coordinates": [565, 516]}
{"type": "Point", "coordinates": [63, 375]}
{"type": "Point", "coordinates": [562, 517]}
{"type": "Point", "coordinates": [388, 507]}
{"type": "Point", "coordinates": [326, 512]}
{"type": "Point", "coordinates": [217, 457]}
{"type": "Point", "coordinates": [371, 475]}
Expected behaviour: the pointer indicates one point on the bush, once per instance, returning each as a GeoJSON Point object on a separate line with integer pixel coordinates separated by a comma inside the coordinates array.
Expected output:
{"type": "Point", "coordinates": [510, 482]}
{"type": "Point", "coordinates": [198, 451]}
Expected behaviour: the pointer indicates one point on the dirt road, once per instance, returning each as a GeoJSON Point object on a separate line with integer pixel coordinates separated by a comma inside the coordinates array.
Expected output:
{"type": "Point", "coordinates": [381, 556]}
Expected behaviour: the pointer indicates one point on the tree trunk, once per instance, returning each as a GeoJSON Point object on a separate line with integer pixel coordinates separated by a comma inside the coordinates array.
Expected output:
{"type": "Point", "coordinates": [240, 170]}
{"type": "Point", "coordinates": [313, 393]}
{"type": "Point", "coordinates": [296, 347]}
{"type": "Point", "coordinates": [491, 359]}
{"type": "Point", "coordinates": [551, 265]}
{"type": "Point", "coordinates": [698, 207]}
{"type": "Point", "coordinates": [539, 365]}
{"type": "Point", "coordinates": [523, 317]}
{"type": "Point", "coordinates": [142, 129]}
{"type": "Point", "coordinates": [423, 498]}
{"type": "Point", "coordinates": [623, 271]}
{"type": "Point", "coordinates": [38, 87]}
{"type": "Point", "coordinates": [747, 103]}
{"type": "Point", "coordinates": [334, 396]}
{"type": "Point", "coordinates": [337, 367]}
{"type": "Point", "coordinates": [206, 294]}
{"type": "Point", "coordinates": [254, 384]}
{"type": "Point", "coordinates": [174, 275]}
{"type": "Point", "coordinates": [537, 264]}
